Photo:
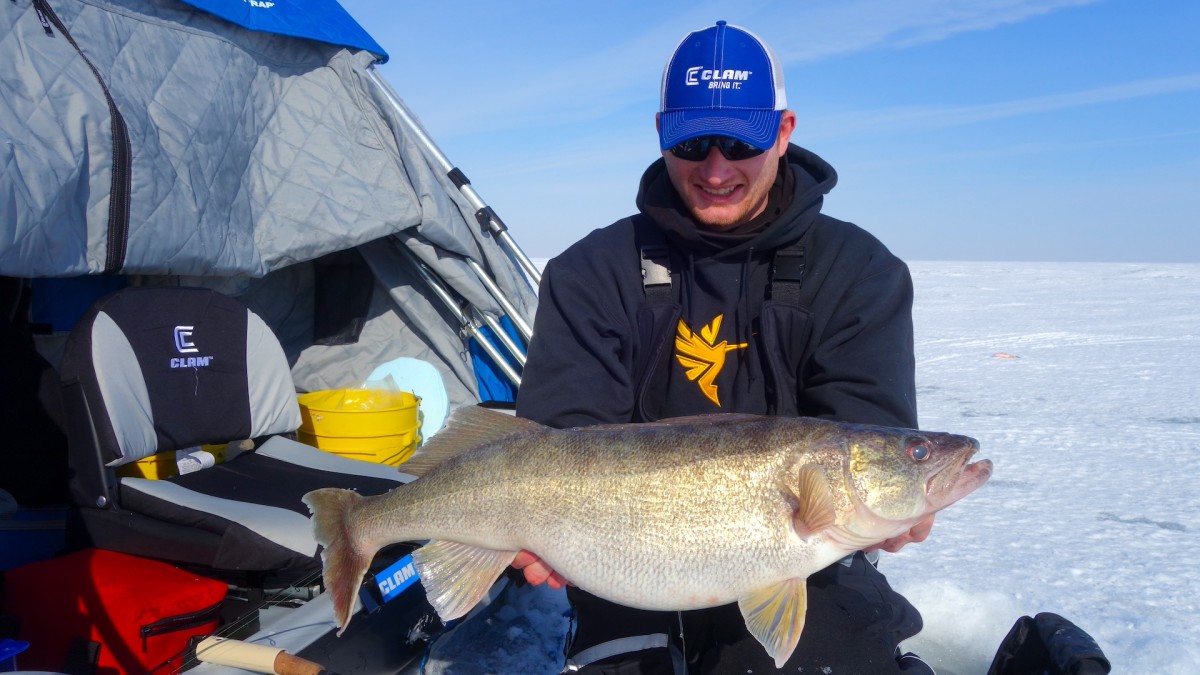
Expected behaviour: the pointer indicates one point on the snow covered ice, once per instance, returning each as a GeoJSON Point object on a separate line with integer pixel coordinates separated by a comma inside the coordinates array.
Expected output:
{"type": "Point", "coordinates": [1095, 432]}
{"type": "Point", "coordinates": [1082, 384]}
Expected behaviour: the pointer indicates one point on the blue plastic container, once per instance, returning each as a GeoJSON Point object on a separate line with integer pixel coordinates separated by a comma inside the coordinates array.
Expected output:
{"type": "Point", "coordinates": [8, 654]}
{"type": "Point", "coordinates": [31, 535]}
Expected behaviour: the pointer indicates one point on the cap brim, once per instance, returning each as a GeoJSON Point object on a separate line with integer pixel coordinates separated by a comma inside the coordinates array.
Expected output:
{"type": "Point", "coordinates": [759, 128]}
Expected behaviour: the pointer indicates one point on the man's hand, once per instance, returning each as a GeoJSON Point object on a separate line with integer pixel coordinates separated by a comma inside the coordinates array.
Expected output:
{"type": "Point", "coordinates": [538, 572]}
{"type": "Point", "coordinates": [918, 533]}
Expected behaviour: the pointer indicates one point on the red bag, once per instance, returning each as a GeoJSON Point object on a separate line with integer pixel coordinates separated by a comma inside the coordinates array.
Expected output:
{"type": "Point", "coordinates": [141, 612]}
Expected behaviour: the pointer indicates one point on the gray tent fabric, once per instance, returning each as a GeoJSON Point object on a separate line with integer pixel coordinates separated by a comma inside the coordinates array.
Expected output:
{"type": "Point", "coordinates": [150, 139]}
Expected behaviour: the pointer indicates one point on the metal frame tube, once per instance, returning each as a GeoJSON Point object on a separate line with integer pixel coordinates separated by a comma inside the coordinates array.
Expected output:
{"type": "Point", "coordinates": [519, 321]}
{"type": "Point", "coordinates": [483, 212]}
{"type": "Point", "coordinates": [468, 323]}
{"type": "Point", "coordinates": [502, 335]}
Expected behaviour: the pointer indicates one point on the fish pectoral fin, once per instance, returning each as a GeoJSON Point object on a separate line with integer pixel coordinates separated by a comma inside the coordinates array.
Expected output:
{"type": "Point", "coordinates": [456, 576]}
{"type": "Point", "coordinates": [815, 510]}
{"type": "Point", "coordinates": [775, 617]}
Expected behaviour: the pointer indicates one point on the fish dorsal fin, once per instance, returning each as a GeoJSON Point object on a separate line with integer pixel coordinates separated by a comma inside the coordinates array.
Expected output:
{"type": "Point", "coordinates": [467, 428]}
{"type": "Point", "coordinates": [815, 510]}
{"type": "Point", "coordinates": [709, 419]}
{"type": "Point", "coordinates": [456, 576]}
{"type": "Point", "coordinates": [775, 617]}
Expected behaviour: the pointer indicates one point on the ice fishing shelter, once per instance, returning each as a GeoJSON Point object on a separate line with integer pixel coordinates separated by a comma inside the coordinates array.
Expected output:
{"type": "Point", "coordinates": [250, 147]}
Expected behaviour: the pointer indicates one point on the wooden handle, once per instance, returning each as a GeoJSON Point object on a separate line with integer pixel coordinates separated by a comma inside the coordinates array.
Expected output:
{"type": "Point", "coordinates": [286, 664]}
{"type": "Point", "coordinates": [257, 658]}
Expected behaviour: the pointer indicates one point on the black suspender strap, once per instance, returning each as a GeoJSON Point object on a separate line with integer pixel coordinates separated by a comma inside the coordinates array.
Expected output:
{"type": "Point", "coordinates": [787, 267]}
{"type": "Point", "coordinates": [656, 275]}
{"type": "Point", "coordinates": [655, 261]}
{"type": "Point", "coordinates": [787, 271]}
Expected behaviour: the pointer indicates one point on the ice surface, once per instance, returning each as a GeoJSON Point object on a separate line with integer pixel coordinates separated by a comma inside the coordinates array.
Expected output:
{"type": "Point", "coordinates": [1082, 384]}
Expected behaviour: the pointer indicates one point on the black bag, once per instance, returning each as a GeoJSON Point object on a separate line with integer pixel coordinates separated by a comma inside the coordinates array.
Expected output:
{"type": "Point", "coordinates": [1048, 644]}
{"type": "Point", "coordinates": [34, 451]}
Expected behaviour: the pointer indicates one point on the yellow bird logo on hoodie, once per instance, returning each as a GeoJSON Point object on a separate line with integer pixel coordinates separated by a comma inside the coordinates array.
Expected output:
{"type": "Point", "coordinates": [702, 356]}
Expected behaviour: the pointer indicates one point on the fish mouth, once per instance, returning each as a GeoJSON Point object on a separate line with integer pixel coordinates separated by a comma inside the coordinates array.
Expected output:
{"type": "Point", "coordinates": [957, 480]}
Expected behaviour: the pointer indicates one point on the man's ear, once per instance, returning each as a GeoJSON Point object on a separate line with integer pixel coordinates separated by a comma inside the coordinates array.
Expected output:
{"type": "Point", "coordinates": [658, 123]}
{"type": "Point", "coordinates": [787, 124]}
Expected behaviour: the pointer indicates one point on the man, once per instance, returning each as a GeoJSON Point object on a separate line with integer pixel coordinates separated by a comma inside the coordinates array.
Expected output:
{"type": "Point", "coordinates": [729, 292]}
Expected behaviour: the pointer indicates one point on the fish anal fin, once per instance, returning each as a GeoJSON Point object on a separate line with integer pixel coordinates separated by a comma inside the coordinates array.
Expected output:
{"type": "Point", "coordinates": [456, 576]}
{"type": "Point", "coordinates": [775, 617]}
{"type": "Point", "coordinates": [814, 507]}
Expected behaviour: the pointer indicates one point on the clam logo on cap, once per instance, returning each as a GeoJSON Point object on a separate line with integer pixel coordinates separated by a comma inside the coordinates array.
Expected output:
{"type": "Point", "coordinates": [717, 79]}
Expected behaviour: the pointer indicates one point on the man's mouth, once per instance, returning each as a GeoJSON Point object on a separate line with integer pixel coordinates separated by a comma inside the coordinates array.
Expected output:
{"type": "Point", "coordinates": [719, 193]}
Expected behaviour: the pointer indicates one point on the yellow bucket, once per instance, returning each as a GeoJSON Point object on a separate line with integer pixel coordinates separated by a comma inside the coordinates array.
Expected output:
{"type": "Point", "coordinates": [368, 424]}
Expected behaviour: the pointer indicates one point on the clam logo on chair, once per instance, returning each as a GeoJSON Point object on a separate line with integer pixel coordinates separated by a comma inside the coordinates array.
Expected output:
{"type": "Point", "coordinates": [184, 345]}
{"type": "Point", "coordinates": [183, 340]}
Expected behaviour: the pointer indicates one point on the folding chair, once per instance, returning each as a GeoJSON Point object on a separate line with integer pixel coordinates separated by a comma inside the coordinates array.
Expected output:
{"type": "Point", "coordinates": [159, 369]}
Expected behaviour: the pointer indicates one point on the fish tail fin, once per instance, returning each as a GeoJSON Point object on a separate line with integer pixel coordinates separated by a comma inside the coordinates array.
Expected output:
{"type": "Point", "coordinates": [345, 558]}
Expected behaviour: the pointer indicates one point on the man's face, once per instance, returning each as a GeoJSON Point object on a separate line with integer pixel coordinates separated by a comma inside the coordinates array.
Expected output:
{"type": "Point", "coordinates": [722, 194]}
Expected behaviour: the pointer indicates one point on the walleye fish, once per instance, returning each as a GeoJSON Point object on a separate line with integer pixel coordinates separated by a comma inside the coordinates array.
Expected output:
{"type": "Point", "coordinates": [673, 515]}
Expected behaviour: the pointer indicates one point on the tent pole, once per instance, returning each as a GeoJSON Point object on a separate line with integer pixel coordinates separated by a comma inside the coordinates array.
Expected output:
{"type": "Point", "coordinates": [505, 304]}
{"type": "Point", "coordinates": [471, 326]}
{"type": "Point", "coordinates": [502, 335]}
{"type": "Point", "coordinates": [483, 213]}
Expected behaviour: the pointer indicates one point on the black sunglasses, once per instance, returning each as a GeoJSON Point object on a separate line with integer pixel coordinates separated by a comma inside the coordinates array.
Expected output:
{"type": "Point", "coordinates": [696, 149]}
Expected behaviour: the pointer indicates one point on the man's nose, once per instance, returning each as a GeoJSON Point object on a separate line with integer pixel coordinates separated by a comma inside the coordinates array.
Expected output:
{"type": "Point", "coordinates": [715, 168]}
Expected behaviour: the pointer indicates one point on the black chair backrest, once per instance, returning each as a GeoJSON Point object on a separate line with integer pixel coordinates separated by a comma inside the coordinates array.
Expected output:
{"type": "Point", "coordinates": [156, 369]}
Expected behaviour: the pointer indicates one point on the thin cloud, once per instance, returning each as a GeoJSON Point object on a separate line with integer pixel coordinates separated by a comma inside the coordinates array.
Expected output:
{"type": "Point", "coordinates": [1028, 149]}
{"type": "Point", "coordinates": [590, 84]}
{"type": "Point", "coordinates": [599, 82]}
{"type": "Point", "coordinates": [925, 118]}
{"type": "Point", "coordinates": [868, 25]}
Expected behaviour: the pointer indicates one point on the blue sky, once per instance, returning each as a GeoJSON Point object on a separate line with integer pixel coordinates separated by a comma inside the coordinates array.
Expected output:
{"type": "Point", "coordinates": [1056, 130]}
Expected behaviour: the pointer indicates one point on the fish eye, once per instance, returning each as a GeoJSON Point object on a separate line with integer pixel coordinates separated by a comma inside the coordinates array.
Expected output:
{"type": "Point", "coordinates": [919, 452]}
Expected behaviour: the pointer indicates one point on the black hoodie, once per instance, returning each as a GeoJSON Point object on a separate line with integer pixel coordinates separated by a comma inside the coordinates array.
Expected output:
{"type": "Point", "coordinates": [601, 353]}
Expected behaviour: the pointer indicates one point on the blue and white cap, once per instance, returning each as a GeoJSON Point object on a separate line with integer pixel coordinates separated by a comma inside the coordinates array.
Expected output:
{"type": "Point", "coordinates": [722, 80]}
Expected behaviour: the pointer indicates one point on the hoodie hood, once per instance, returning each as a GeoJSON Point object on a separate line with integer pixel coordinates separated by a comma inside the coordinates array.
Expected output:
{"type": "Point", "coordinates": [794, 202]}
{"type": "Point", "coordinates": [719, 283]}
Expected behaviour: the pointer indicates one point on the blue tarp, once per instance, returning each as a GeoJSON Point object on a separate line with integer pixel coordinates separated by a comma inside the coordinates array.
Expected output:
{"type": "Point", "coordinates": [321, 20]}
{"type": "Point", "coordinates": [494, 387]}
